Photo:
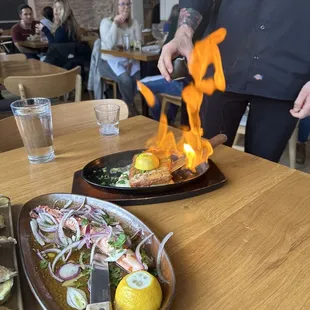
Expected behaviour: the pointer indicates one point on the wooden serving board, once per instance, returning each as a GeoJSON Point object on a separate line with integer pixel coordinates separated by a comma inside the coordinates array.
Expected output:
{"type": "Point", "coordinates": [210, 181]}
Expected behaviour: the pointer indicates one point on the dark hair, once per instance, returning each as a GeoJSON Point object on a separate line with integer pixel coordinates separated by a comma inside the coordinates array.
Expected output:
{"type": "Point", "coordinates": [174, 12]}
{"type": "Point", "coordinates": [22, 7]}
{"type": "Point", "coordinates": [48, 13]}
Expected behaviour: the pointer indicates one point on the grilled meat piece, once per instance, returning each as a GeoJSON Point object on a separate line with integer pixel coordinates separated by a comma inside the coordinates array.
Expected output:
{"type": "Point", "coordinates": [160, 176]}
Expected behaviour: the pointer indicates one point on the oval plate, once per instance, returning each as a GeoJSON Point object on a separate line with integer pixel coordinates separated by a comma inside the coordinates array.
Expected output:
{"type": "Point", "coordinates": [30, 260]}
{"type": "Point", "coordinates": [123, 159]}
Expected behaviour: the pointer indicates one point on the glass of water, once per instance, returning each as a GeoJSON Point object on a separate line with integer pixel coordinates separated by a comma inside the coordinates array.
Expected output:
{"type": "Point", "coordinates": [34, 122]}
{"type": "Point", "coordinates": [107, 115]}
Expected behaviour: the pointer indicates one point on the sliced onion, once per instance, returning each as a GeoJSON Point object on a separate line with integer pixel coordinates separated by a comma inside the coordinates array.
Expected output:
{"type": "Point", "coordinates": [48, 228]}
{"type": "Point", "coordinates": [48, 218]}
{"type": "Point", "coordinates": [40, 255]}
{"type": "Point", "coordinates": [45, 239]}
{"type": "Point", "coordinates": [87, 236]}
{"type": "Point", "coordinates": [69, 254]}
{"type": "Point", "coordinates": [34, 229]}
{"type": "Point", "coordinates": [138, 254]}
{"type": "Point", "coordinates": [68, 271]}
{"type": "Point", "coordinates": [51, 251]}
{"type": "Point", "coordinates": [62, 237]}
{"type": "Point", "coordinates": [92, 252]}
{"type": "Point", "coordinates": [52, 273]}
{"type": "Point", "coordinates": [158, 260]}
{"type": "Point", "coordinates": [63, 251]}
{"type": "Point", "coordinates": [136, 233]}
{"type": "Point", "coordinates": [81, 244]}
{"type": "Point", "coordinates": [81, 261]}
{"type": "Point", "coordinates": [76, 298]}
{"type": "Point", "coordinates": [68, 204]}
{"type": "Point", "coordinates": [82, 205]}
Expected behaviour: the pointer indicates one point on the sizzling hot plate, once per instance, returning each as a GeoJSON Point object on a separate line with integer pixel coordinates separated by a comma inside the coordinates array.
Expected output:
{"type": "Point", "coordinates": [94, 169]}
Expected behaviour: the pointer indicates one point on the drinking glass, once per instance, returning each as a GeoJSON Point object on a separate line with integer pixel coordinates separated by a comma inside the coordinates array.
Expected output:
{"type": "Point", "coordinates": [108, 118]}
{"type": "Point", "coordinates": [34, 121]}
{"type": "Point", "coordinates": [126, 41]}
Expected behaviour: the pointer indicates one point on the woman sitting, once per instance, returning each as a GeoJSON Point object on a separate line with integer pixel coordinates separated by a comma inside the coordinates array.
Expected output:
{"type": "Point", "coordinates": [122, 70]}
{"type": "Point", "coordinates": [66, 29]}
{"type": "Point", "coordinates": [48, 17]}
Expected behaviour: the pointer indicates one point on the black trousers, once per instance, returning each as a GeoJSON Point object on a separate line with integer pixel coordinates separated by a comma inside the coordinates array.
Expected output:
{"type": "Point", "coordinates": [269, 127]}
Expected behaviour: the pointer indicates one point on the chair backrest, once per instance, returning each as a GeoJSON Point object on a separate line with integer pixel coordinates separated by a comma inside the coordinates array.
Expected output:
{"type": "Point", "coordinates": [13, 57]}
{"type": "Point", "coordinates": [67, 118]}
{"type": "Point", "coordinates": [47, 86]}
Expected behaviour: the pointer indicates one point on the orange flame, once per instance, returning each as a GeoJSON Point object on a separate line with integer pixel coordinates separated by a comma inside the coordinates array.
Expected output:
{"type": "Point", "coordinates": [192, 145]}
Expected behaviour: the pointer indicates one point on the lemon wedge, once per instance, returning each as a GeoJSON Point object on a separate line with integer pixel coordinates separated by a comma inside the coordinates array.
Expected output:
{"type": "Point", "coordinates": [147, 161]}
{"type": "Point", "coordinates": [138, 291]}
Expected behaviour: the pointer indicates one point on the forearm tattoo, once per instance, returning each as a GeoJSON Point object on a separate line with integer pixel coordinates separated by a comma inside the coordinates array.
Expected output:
{"type": "Point", "coordinates": [189, 17]}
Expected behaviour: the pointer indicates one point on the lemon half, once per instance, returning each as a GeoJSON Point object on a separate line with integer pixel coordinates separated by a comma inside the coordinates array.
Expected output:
{"type": "Point", "coordinates": [147, 161]}
{"type": "Point", "coordinates": [138, 291]}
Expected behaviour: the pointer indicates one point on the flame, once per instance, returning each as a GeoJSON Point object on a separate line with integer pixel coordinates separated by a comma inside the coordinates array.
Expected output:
{"type": "Point", "coordinates": [191, 145]}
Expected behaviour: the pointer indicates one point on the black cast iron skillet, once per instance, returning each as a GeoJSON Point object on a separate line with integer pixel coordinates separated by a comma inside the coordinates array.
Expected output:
{"type": "Point", "coordinates": [122, 159]}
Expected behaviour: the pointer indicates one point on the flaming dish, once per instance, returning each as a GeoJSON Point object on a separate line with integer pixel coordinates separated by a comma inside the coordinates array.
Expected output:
{"type": "Point", "coordinates": [156, 165]}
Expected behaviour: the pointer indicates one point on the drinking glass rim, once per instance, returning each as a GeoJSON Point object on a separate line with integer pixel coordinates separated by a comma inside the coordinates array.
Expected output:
{"type": "Point", "coordinates": [48, 102]}
{"type": "Point", "coordinates": [115, 106]}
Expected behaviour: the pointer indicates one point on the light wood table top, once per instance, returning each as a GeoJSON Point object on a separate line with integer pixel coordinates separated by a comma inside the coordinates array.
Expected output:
{"type": "Point", "coordinates": [132, 54]}
{"type": "Point", "coordinates": [244, 246]}
{"type": "Point", "coordinates": [31, 67]}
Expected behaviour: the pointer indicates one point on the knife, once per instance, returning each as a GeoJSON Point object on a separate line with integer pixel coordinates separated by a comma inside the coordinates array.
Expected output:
{"type": "Point", "coordinates": [100, 293]}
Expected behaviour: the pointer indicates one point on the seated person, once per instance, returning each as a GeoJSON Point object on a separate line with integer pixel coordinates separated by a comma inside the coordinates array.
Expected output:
{"type": "Point", "coordinates": [22, 30]}
{"type": "Point", "coordinates": [173, 15]}
{"type": "Point", "coordinates": [66, 29]}
{"type": "Point", "coordinates": [158, 84]}
{"type": "Point", "coordinates": [122, 70]}
{"type": "Point", "coordinates": [48, 17]}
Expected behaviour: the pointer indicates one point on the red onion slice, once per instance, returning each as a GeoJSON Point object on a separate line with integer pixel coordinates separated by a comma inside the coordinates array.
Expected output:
{"type": "Point", "coordinates": [138, 254]}
{"type": "Point", "coordinates": [52, 273]}
{"type": "Point", "coordinates": [34, 229]}
{"type": "Point", "coordinates": [63, 251]}
{"type": "Point", "coordinates": [68, 271]}
{"type": "Point", "coordinates": [158, 260]}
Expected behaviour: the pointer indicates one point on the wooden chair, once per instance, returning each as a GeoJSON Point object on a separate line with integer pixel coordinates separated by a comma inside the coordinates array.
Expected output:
{"type": "Point", "coordinates": [112, 83]}
{"type": "Point", "coordinates": [13, 57]}
{"type": "Point", "coordinates": [169, 99]}
{"type": "Point", "coordinates": [67, 118]}
{"type": "Point", "coordinates": [48, 86]}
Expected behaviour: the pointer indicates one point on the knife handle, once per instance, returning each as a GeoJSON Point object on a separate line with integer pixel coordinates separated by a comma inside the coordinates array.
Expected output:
{"type": "Point", "coordinates": [100, 306]}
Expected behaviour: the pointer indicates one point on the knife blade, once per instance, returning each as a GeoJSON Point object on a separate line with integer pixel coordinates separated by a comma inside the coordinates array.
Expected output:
{"type": "Point", "coordinates": [100, 292]}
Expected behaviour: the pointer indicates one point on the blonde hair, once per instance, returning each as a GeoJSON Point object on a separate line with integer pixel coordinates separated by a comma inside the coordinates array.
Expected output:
{"type": "Point", "coordinates": [68, 19]}
{"type": "Point", "coordinates": [115, 12]}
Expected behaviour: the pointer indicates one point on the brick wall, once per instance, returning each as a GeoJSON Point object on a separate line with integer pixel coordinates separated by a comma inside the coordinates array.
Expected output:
{"type": "Point", "coordinates": [88, 13]}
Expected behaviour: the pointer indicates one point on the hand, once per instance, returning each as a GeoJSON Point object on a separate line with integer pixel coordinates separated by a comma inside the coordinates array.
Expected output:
{"type": "Point", "coordinates": [302, 103]}
{"type": "Point", "coordinates": [119, 19]}
{"type": "Point", "coordinates": [39, 27]}
{"type": "Point", "coordinates": [180, 45]}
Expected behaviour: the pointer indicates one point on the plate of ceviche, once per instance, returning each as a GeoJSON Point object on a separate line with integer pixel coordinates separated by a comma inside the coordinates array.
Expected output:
{"type": "Point", "coordinates": [61, 234]}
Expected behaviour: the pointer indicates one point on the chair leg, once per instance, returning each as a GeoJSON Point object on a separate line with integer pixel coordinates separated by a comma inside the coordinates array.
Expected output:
{"type": "Point", "coordinates": [292, 148]}
{"type": "Point", "coordinates": [163, 106]}
{"type": "Point", "coordinates": [114, 91]}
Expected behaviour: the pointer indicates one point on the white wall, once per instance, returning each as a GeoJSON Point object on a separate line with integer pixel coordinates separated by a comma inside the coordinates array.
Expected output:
{"type": "Point", "coordinates": [137, 11]}
{"type": "Point", "coordinates": [165, 8]}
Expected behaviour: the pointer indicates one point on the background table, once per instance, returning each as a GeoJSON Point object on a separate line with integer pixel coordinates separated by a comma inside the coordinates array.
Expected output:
{"type": "Point", "coordinates": [30, 67]}
{"type": "Point", "coordinates": [34, 44]}
{"type": "Point", "coordinates": [244, 246]}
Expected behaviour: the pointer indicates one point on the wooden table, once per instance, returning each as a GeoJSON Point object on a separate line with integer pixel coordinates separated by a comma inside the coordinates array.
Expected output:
{"type": "Point", "coordinates": [37, 44]}
{"type": "Point", "coordinates": [136, 55]}
{"type": "Point", "coordinates": [31, 67]}
{"type": "Point", "coordinates": [244, 246]}
{"type": "Point", "coordinates": [132, 54]}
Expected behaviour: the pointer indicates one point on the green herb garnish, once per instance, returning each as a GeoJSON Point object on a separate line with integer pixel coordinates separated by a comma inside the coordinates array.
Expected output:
{"type": "Point", "coordinates": [153, 272]}
{"type": "Point", "coordinates": [84, 222]}
{"type": "Point", "coordinates": [119, 242]}
{"type": "Point", "coordinates": [108, 219]}
{"type": "Point", "coordinates": [115, 275]}
{"type": "Point", "coordinates": [43, 264]}
{"type": "Point", "coordinates": [86, 272]}
{"type": "Point", "coordinates": [79, 284]}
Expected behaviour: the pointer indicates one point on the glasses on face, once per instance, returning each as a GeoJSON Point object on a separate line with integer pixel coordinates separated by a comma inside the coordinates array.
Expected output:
{"type": "Point", "coordinates": [123, 4]}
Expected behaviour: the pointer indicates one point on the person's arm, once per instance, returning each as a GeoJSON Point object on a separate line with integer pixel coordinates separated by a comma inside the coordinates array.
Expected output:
{"type": "Point", "coordinates": [48, 34]}
{"type": "Point", "coordinates": [108, 34]}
